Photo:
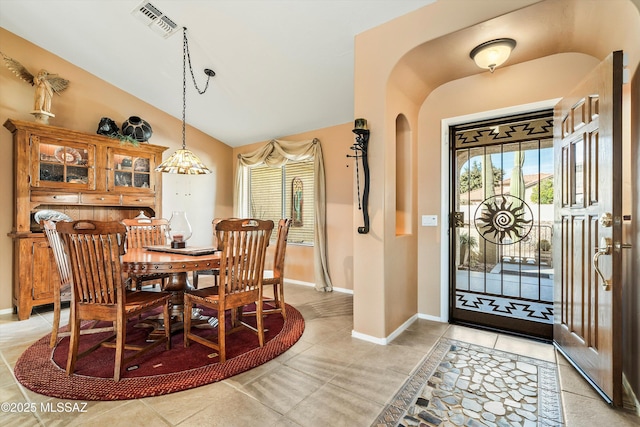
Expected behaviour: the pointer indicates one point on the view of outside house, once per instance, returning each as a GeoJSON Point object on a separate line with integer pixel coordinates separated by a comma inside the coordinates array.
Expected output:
{"type": "Point", "coordinates": [504, 182]}
{"type": "Point", "coordinates": [535, 189]}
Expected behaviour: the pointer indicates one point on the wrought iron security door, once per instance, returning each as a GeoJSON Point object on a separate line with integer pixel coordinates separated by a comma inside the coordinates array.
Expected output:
{"type": "Point", "coordinates": [501, 224]}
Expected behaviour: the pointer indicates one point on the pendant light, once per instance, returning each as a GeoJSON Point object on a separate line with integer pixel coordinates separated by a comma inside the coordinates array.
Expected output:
{"type": "Point", "coordinates": [184, 161]}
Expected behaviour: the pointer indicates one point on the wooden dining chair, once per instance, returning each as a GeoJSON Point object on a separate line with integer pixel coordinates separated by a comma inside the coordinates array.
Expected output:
{"type": "Point", "coordinates": [212, 272]}
{"type": "Point", "coordinates": [143, 232]}
{"type": "Point", "coordinates": [243, 248]}
{"type": "Point", "coordinates": [94, 249]}
{"type": "Point", "coordinates": [61, 288]}
{"type": "Point", "coordinates": [276, 304]}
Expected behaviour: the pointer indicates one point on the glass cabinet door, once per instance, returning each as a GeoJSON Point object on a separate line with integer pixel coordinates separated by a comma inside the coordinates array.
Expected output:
{"type": "Point", "coordinates": [63, 164]}
{"type": "Point", "coordinates": [131, 170]}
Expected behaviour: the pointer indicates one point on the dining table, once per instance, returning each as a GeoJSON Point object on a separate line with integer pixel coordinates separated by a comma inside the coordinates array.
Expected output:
{"type": "Point", "coordinates": [178, 263]}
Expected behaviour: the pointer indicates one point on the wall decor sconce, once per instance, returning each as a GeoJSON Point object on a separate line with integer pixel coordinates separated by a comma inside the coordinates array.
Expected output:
{"type": "Point", "coordinates": [493, 53]}
{"type": "Point", "coordinates": [360, 149]}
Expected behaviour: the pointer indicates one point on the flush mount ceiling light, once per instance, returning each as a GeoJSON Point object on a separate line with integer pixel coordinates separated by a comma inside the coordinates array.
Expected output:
{"type": "Point", "coordinates": [493, 53]}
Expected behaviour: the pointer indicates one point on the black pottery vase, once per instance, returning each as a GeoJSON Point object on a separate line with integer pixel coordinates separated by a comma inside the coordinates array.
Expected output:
{"type": "Point", "coordinates": [107, 127]}
{"type": "Point", "coordinates": [137, 128]}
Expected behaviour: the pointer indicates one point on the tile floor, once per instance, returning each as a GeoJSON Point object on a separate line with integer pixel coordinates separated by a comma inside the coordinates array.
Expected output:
{"type": "Point", "coordinates": [328, 378]}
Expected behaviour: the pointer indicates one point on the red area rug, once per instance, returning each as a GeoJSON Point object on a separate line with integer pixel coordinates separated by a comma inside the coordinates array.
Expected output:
{"type": "Point", "coordinates": [42, 369]}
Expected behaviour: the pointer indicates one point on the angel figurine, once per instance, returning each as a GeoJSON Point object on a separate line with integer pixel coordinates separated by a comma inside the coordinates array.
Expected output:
{"type": "Point", "coordinates": [46, 85]}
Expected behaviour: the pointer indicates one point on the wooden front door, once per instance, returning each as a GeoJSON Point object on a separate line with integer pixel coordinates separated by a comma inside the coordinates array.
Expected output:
{"type": "Point", "coordinates": [588, 227]}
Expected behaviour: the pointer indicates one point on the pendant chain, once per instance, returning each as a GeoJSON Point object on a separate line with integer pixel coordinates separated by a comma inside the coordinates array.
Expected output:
{"type": "Point", "coordinates": [186, 57]}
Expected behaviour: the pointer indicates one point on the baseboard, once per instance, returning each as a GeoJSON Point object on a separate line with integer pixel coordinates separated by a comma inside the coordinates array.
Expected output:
{"type": "Point", "coordinates": [630, 396]}
{"type": "Point", "coordinates": [313, 285]}
{"type": "Point", "coordinates": [6, 311]}
{"type": "Point", "coordinates": [389, 338]}
{"type": "Point", "coordinates": [432, 318]}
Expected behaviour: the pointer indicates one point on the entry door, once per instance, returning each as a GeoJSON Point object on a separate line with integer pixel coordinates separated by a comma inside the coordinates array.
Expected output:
{"type": "Point", "coordinates": [588, 227]}
{"type": "Point", "coordinates": [501, 234]}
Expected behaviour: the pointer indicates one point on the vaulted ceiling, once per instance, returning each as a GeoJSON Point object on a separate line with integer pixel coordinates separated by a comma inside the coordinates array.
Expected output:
{"type": "Point", "coordinates": [283, 66]}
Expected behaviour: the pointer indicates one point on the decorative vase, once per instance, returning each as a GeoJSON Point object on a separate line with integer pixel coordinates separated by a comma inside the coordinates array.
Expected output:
{"type": "Point", "coordinates": [107, 127]}
{"type": "Point", "coordinates": [137, 128]}
{"type": "Point", "coordinates": [179, 229]}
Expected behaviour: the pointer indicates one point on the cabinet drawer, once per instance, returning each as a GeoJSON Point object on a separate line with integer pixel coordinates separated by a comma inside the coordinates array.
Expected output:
{"type": "Point", "coordinates": [100, 199]}
{"type": "Point", "coordinates": [138, 200]}
{"type": "Point", "coordinates": [55, 198]}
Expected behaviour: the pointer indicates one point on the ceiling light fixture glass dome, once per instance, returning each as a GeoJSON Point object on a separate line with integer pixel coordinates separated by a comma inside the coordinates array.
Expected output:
{"type": "Point", "coordinates": [493, 53]}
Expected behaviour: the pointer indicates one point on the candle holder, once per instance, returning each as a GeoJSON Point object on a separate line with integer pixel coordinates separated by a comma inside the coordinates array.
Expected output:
{"type": "Point", "coordinates": [360, 148]}
{"type": "Point", "coordinates": [179, 230]}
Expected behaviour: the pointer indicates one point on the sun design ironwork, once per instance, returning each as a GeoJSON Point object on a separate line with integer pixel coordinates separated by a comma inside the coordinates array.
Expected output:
{"type": "Point", "coordinates": [503, 220]}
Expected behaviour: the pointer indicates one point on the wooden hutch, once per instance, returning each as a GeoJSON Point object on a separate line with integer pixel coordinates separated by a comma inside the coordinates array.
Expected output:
{"type": "Point", "coordinates": [85, 176]}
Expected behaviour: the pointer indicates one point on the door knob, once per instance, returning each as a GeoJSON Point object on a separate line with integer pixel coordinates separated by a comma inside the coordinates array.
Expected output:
{"type": "Point", "coordinates": [604, 249]}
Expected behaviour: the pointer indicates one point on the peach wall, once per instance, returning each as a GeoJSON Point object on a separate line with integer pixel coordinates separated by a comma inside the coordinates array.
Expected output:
{"type": "Point", "coordinates": [386, 85]}
{"type": "Point", "coordinates": [80, 107]}
{"type": "Point", "coordinates": [339, 171]}
{"type": "Point", "coordinates": [483, 93]}
{"type": "Point", "coordinates": [384, 288]}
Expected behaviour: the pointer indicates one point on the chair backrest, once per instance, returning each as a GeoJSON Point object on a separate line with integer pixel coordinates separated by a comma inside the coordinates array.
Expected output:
{"type": "Point", "coordinates": [143, 232]}
{"type": "Point", "coordinates": [55, 242]}
{"type": "Point", "coordinates": [281, 247]}
{"type": "Point", "coordinates": [217, 237]}
{"type": "Point", "coordinates": [243, 249]}
{"type": "Point", "coordinates": [94, 249]}
{"type": "Point", "coordinates": [216, 240]}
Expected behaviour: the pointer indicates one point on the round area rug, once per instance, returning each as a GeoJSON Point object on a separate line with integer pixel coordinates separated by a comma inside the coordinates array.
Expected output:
{"type": "Point", "coordinates": [42, 369]}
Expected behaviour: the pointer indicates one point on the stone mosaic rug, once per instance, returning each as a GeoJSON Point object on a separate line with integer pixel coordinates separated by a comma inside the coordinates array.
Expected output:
{"type": "Point", "coordinates": [462, 384]}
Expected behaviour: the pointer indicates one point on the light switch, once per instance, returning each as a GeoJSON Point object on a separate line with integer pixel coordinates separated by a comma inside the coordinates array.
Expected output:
{"type": "Point", "coordinates": [429, 220]}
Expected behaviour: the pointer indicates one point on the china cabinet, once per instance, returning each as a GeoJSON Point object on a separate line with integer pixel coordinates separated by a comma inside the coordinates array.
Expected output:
{"type": "Point", "coordinates": [84, 176]}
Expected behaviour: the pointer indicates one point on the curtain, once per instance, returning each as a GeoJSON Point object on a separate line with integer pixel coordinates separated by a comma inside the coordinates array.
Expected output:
{"type": "Point", "coordinates": [275, 154]}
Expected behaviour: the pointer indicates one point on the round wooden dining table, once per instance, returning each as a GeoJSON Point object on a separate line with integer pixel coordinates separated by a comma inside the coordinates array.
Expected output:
{"type": "Point", "coordinates": [145, 261]}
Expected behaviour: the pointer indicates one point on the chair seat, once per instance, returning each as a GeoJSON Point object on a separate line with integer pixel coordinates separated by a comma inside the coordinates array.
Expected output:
{"type": "Point", "coordinates": [141, 300]}
{"type": "Point", "coordinates": [210, 293]}
{"type": "Point", "coordinates": [243, 246]}
{"type": "Point", "coordinates": [100, 292]}
{"type": "Point", "coordinates": [270, 281]}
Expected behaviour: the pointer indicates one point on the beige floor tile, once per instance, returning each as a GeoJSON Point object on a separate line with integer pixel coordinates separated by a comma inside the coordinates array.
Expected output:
{"type": "Point", "coordinates": [471, 335]}
{"type": "Point", "coordinates": [328, 378]}
{"type": "Point", "coordinates": [334, 406]}
{"type": "Point", "coordinates": [373, 383]}
{"type": "Point", "coordinates": [524, 347]}
{"type": "Point", "coordinates": [396, 358]}
{"type": "Point", "coordinates": [571, 381]}
{"type": "Point", "coordinates": [581, 411]}
{"type": "Point", "coordinates": [282, 389]}
{"type": "Point", "coordinates": [177, 407]}
{"type": "Point", "coordinates": [6, 375]}
{"type": "Point", "coordinates": [422, 339]}
{"type": "Point", "coordinates": [231, 408]}
{"type": "Point", "coordinates": [317, 363]}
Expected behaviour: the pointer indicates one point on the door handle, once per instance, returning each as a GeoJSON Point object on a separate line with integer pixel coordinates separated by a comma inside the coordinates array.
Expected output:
{"type": "Point", "coordinates": [456, 219]}
{"type": "Point", "coordinates": [604, 249]}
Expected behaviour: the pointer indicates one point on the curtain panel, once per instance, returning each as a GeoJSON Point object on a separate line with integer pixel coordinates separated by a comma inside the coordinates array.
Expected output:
{"type": "Point", "coordinates": [275, 154]}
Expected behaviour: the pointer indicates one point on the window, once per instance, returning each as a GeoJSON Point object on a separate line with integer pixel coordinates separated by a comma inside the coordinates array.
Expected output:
{"type": "Point", "coordinates": [285, 192]}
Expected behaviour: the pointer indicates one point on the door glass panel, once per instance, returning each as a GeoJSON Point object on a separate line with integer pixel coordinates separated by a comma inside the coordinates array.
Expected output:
{"type": "Point", "coordinates": [504, 189]}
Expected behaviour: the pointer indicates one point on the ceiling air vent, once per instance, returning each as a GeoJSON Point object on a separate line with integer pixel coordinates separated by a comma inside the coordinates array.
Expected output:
{"type": "Point", "coordinates": [155, 19]}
